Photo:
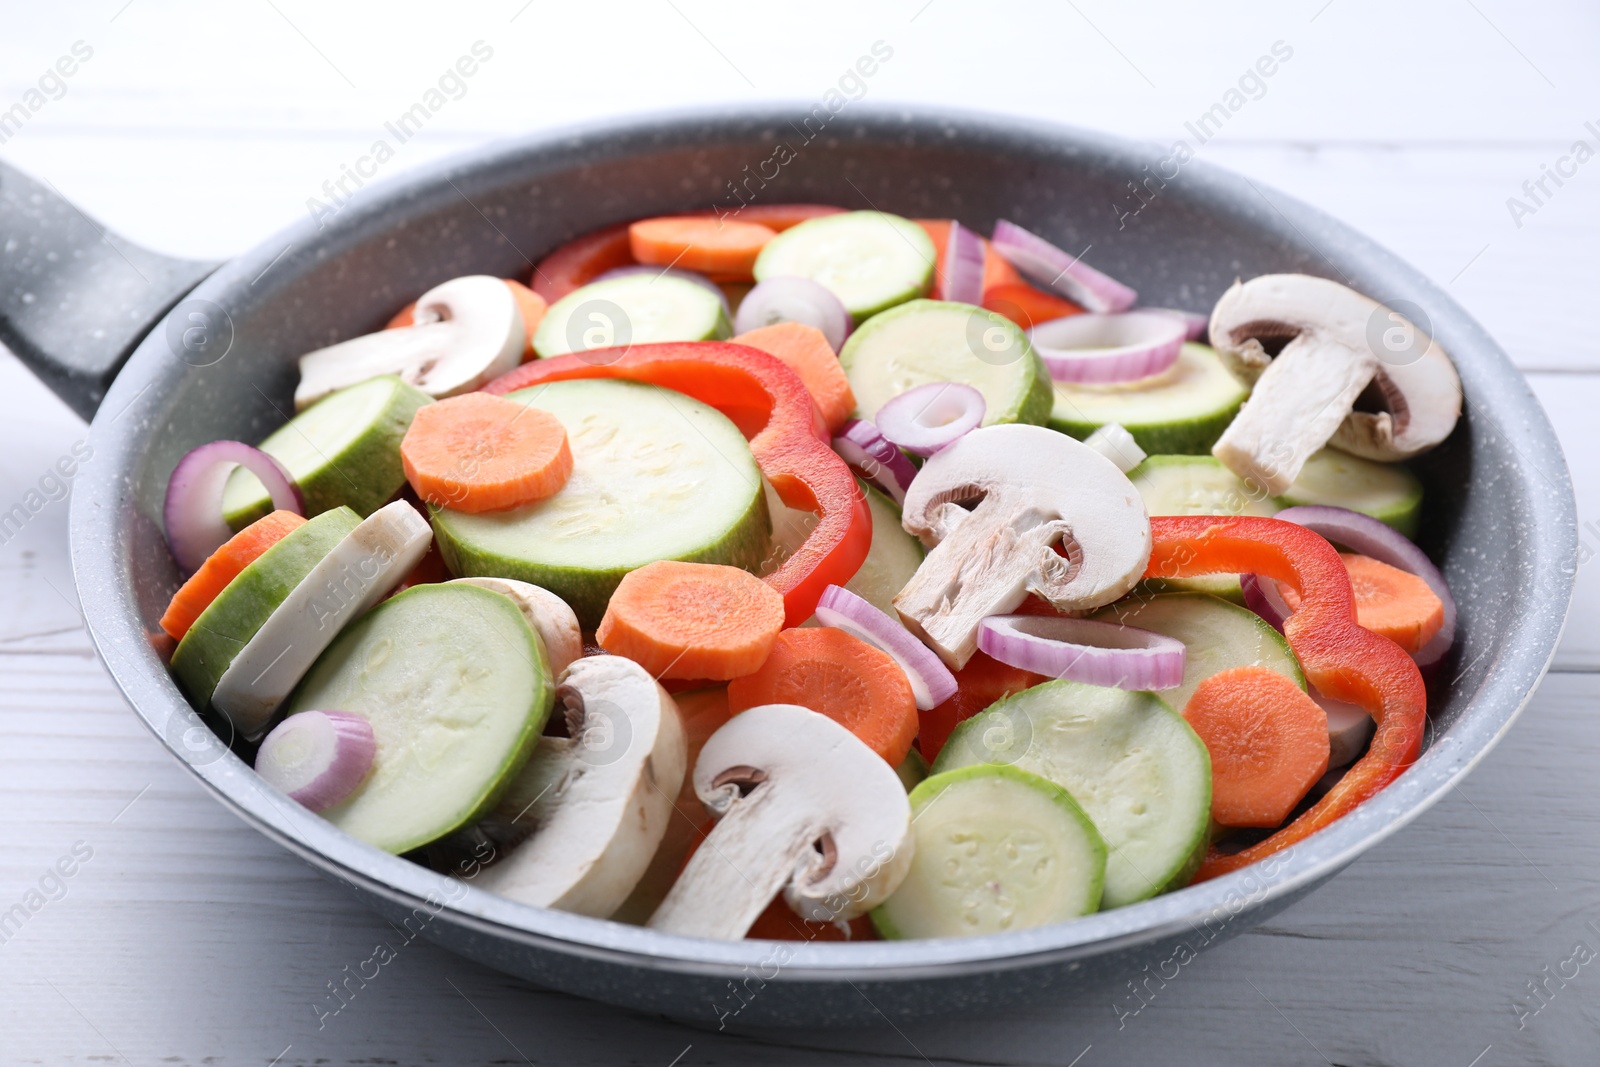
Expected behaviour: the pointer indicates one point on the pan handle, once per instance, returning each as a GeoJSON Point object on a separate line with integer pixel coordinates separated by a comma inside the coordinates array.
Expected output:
{"type": "Point", "coordinates": [75, 299]}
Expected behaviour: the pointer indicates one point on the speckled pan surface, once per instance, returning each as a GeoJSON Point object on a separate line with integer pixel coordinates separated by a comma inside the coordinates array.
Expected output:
{"type": "Point", "coordinates": [1500, 513]}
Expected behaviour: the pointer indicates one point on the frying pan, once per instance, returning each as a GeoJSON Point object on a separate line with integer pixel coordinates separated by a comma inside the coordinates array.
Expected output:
{"type": "Point", "coordinates": [166, 354]}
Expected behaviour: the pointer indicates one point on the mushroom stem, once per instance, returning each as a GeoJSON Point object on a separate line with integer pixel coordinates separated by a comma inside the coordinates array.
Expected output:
{"type": "Point", "coordinates": [1316, 379]}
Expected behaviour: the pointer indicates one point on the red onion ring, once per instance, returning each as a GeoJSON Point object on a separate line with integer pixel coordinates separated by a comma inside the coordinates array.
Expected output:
{"type": "Point", "coordinates": [318, 757]}
{"type": "Point", "coordinates": [1262, 597]}
{"type": "Point", "coordinates": [931, 681]}
{"type": "Point", "coordinates": [863, 447]}
{"type": "Point", "coordinates": [963, 266]}
{"type": "Point", "coordinates": [930, 417]}
{"type": "Point", "coordinates": [790, 299]}
{"type": "Point", "coordinates": [1102, 349]}
{"type": "Point", "coordinates": [1195, 324]}
{"type": "Point", "coordinates": [1055, 269]}
{"type": "Point", "coordinates": [666, 272]}
{"type": "Point", "coordinates": [1084, 650]}
{"type": "Point", "coordinates": [1369, 537]}
{"type": "Point", "coordinates": [192, 511]}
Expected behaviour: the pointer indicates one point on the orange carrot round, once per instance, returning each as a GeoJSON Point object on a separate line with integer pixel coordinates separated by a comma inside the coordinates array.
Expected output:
{"type": "Point", "coordinates": [723, 248]}
{"type": "Point", "coordinates": [829, 671]}
{"type": "Point", "coordinates": [806, 351]}
{"type": "Point", "coordinates": [478, 452]}
{"type": "Point", "coordinates": [1389, 601]}
{"type": "Point", "coordinates": [1268, 742]}
{"type": "Point", "coordinates": [777, 217]}
{"type": "Point", "coordinates": [224, 565]}
{"type": "Point", "coordinates": [692, 620]}
{"type": "Point", "coordinates": [530, 303]}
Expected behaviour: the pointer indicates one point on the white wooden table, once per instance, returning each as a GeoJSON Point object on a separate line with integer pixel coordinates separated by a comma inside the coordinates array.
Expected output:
{"type": "Point", "coordinates": [185, 937]}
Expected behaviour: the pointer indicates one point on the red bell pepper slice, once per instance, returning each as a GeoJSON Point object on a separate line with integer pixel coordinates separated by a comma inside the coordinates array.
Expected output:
{"type": "Point", "coordinates": [576, 263]}
{"type": "Point", "coordinates": [771, 406]}
{"type": "Point", "coordinates": [1339, 657]}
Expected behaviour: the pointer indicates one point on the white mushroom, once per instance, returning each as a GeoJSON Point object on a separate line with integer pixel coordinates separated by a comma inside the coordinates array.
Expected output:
{"type": "Point", "coordinates": [595, 803]}
{"type": "Point", "coordinates": [360, 571]}
{"type": "Point", "coordinates": [465, 333]}
{"type": "Point", "coordinates": [1335, 344]}
{"type": "Point", "coordinates": [804, 808]}
{"type": "Point", "coordinates": [547, 613]}
{"type": "Point", "coordinates": [992, 507]}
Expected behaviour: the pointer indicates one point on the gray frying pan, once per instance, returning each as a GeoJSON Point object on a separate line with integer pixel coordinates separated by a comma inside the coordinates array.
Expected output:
{"type": "Point", "coordinates": [165, 354]}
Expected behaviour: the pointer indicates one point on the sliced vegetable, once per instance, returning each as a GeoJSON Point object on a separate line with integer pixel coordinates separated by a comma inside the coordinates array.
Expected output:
{"type": "Point", "coordinates": [633, 309]}
{"type": "Point", "coordinates": [456, 686]}
{"type": "Point", "coordinates": [1134, 765]}
{"type": "Point", "coordinates": [1117, 445]}
{"type": "Point", "coordinates": [1216, 635]}
{"type": "Point", "coordinates": [982, 682]}
{"type": "Point", "coordinates": [935, 341]}
{"type": "Point", "coordinates": [875, 458]}
{"type": "Point", "coordinates": [547, 613]}
{"type": "Point", "coordinates": [655, 475]}
{"type": "Point", "coordinates": [529, 303]}
{"type": "Point", "coordinates": [992, 507]}
{"type": "Point", "coordinates": [803, 807]}
{"type": "Point", "coordinates": [1025, 305]}
{"type": "Point", "coordinates": [1084, 650]}
{"type": "Point", "coordinates": [1389, 601]}
{"type": "Point", "coordinates": [841, 676]}
{"type": "Point", "coordinates": [234, 616]}
{"type": "Point", "coordinates": [929, 417]}
{"type": "Point", "coordinates": [996, 271]}
{"type": "Point", "coordinates": [912, 770]}
{"type": "Point", "coordinates": [464, 333]}
{"type": "Point", "coordinates": [868, 259]}
{"type": "Point", "coordinates": [1386, 491]}
{"type": "Point", "coordinates": [1198, 485]}
{"type": "Point", "coordinates": [931, 681]}
{"type": "Point", "coordinates": [318, 757]}
{"type": "Point", "coordinates": [962, 277]}
{"type": "Point", "coordinates": [1349, 727]}
{"type": "Point", "coordinates": [1343, 661]}
{"type": "Point", "coordinates": [1054, 269]}
{"type": "Point", "coordinates": [222, 567]}
{"type": "Point", "coordinates": [648, 270]}
{"type": "Point", "coordinates": [806, 351]}
{"type": "Point", "coordinates": [596, 803]}
{"type": "Point", "coordinates": [355, 574]}
{"type": "Point", "coordinates": [579, 261]}
{"type": "Point", "coordinates": [1101, 349]}
{"type": "Point", "coordinates": [892, 559]}
{"type": "Point", "coordinates": [692, 620]}
{"type": "Point", "coordinates": [480, 453]}
{"type": "Point", "coordinates": [771, 404]}
{"type": "Point", "coordinates": [1363, 534]}
{"type": "Point", "coordinates": [193, 510]}
{"type": "Point", "coordinates": [798, 300]}
{"type": "Point", "coordinates": [1182, 410]}
{"type": "Point", "coordinates": [1195, 325]}
{"type": "Point", "coordinates": [777, 217]}
{"type": "Point", "coordinates": [1327, 340]}
{"type": "Point", "coordinates": [342, 450]}
{"type": "Point", "coordinates": [997, 849]}
{"type": "Point", "coordinates": [724, 247]}
{"type": "Point", "coordinates": [1268, 743]}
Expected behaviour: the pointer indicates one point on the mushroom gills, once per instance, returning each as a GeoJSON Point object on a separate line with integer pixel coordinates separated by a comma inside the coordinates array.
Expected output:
{"type": "Point", "coordinates": [593, 807]}
{"type": "Point", "coordinates": [806, 809]}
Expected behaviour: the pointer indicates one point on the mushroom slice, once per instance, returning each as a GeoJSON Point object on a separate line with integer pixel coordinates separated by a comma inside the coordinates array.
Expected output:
{"type": "Point", "coordinates": [1331, 344]}
{"type": "Point", "coordinates": [992, 507]}
{"type": "Point", "coordinates": [547, 613]}
{"type": "Point", "coordinates": [466, 332]}
{"type": "Point", "coordinates": [805, 808]}
{"type": "Point", "coordinates": [594, 804]}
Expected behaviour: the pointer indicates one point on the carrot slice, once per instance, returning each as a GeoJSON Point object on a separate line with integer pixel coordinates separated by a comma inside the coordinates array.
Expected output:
{"type": "Point", "coordinates": [692, 620]}
{"type": "Point", "coordinates": [1389, 601]}
{"type": "Point", "coordinates": [844, 678]}
{"type": "Point", "coordinates": [478, 452]}
{"type": "Point", "coordinates": [1268, 742]}
{"type": "Point", "coordinates": [1025, 305]}
{"type": "Point", "coordinates": [224, 565]}
{"type": "Point", "coordinates": [777, 217]}
{"type": "Point", "coordinates": [722, 248]}
{"type": "Point", "coordinates": [806, 351]}
{"type": "Point", "coordinates": [530, 303]}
